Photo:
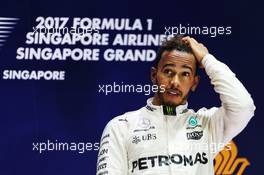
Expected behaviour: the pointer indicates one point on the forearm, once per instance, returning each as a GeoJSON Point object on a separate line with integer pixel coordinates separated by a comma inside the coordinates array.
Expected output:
{"type": "Point", "coordinates": [237, 105]}
{"type": "Point", "coordinates": [233, 94]}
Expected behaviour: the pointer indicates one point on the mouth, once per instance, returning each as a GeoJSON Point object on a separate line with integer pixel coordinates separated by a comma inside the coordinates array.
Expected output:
{"type": "Point", "coordinates": [174, 92]}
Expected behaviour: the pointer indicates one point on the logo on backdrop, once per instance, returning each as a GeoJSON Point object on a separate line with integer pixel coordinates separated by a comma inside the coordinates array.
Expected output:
{"type": "Point", "coordinates": [228, 162]}
{"type": "Point", "coordinates": [7, 25]}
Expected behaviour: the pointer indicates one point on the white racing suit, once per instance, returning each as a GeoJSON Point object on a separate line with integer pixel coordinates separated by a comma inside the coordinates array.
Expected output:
{"type": "Point", "coordinates": [160, 140]}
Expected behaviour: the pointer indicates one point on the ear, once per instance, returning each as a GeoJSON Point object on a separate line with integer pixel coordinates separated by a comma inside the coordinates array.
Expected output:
{"type": "Point", "coordinates": [153, 74]}
{"type": "Point", "coordinates": [196, 82]}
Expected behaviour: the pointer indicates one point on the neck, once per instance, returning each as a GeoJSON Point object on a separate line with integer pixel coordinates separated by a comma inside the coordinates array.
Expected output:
{"type": "Point", "coordinates": [156, 101]}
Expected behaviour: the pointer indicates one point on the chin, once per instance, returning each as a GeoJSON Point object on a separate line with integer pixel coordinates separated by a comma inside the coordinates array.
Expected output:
{"type": "Point", "coordinates": [172, 102]}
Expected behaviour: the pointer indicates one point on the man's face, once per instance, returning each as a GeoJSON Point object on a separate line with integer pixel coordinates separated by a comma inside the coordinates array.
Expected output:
{"type": "Point", "coordinates": [176, 73]}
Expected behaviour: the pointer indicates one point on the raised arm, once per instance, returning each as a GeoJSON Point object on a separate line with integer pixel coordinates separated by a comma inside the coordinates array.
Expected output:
{"type": "Point", "coordinates": [237, 105]}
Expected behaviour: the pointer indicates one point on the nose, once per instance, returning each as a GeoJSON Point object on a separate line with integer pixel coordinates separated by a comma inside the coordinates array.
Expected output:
{"type": "Point", "coordinates": [175, 81]}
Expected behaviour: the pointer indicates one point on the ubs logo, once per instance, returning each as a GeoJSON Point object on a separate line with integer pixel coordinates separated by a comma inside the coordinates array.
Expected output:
{"type": "Point", "coordinates": [146, 137]}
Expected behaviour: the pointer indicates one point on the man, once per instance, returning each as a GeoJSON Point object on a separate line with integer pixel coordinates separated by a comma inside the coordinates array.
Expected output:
{"type": "Point", "coordinates": [165, 137]}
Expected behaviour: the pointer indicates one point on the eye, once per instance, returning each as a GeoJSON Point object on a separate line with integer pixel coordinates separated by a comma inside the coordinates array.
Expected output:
{"type": "Point", "coordinates": [168, 72]}
{"type": "Point", "coordinates": [186, 74]}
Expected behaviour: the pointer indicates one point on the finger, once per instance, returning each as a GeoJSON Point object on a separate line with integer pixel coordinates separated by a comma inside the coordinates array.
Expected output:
{"type": "Point", "coordinates": [201, 66]}
{"type": "Point", "coordinates": [187, 40]}
{"type": "Point", "coordinates": [194, 41]}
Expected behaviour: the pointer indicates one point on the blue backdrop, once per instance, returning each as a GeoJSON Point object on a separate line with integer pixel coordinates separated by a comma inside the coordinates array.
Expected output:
{"type": "Point", "coordinates": [74, 111]}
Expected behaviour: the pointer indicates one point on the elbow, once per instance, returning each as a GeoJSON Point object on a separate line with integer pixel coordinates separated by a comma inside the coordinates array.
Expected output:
{"type": "Point", "coordinates": [242, 106]}
{"type": "Point", "coordinates": [252, 108]}
{"type": "Point", "coordinates": [248, 106]}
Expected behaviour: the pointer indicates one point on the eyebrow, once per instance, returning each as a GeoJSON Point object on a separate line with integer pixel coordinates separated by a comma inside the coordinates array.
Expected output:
{"type": "Point", "coordinates": [173, 65]}
{"type": "Point", "coordinates": [188, 67]}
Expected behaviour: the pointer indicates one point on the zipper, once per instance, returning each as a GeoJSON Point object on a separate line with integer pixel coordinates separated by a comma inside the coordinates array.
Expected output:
{"type": "Point", "coordinates": [167, 140]}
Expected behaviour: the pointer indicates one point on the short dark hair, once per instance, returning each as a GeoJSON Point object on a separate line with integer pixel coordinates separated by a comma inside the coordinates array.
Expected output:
{"type": "Point", "coordinates": [174, 43]}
